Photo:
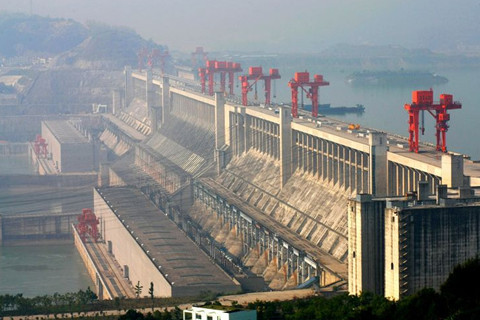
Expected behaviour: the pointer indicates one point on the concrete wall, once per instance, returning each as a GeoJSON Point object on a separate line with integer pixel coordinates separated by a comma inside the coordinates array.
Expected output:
{"type": "Point", "coordinates": [77, 157]}
{"type": "Point", "coordinates": [69, 157]}
{"type": "Point", "coordinates": [365, 245]}
{"type": "Point", "coordinates": [13, 148]}
{"type": "Point", "coordinates": [1, 230]}
{"type": "Point", "coordinates": [102, 289]}
{"type": "Point", "coordinates": [21, 128]}
{"type": "Point", "coordinates": [128, 252]}
{"type": "Point", "coordinates": [54, 147]}
{"type": "Point", "coordinates": [424, 244]}
{"type": "Point", "coordinates": [52, 181]}
{"type": "Point", "coordinates": [24, 229]}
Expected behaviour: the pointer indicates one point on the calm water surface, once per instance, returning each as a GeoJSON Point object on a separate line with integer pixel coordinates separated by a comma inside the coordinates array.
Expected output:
{"type": "Point", "coordinates": [43, 269]}
{"type": "Point", "coordinates": [38, 269]}
{"type": "Point", "coordinates": [384, 105]}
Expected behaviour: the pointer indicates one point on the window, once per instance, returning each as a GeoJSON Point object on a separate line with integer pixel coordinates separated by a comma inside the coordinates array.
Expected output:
{"type": "Point", "coordinates": [391, 265]}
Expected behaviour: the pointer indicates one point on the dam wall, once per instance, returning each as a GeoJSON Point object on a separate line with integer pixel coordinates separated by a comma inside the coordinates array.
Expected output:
{"type": "Point", "coordinates": [28, 229]}
{"type": "Point", "coordinates": [13, 148]}
{"type": "Point", "coordinates": [65, 180]}
{"type": "Point", "coordinates": [294, 174]}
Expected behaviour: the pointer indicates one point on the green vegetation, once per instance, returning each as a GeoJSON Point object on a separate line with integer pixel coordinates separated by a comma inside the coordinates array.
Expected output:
{"type": "Point", "coordinates": [79, 302]}
{"type": "Point", "coordinates": [459, 298]}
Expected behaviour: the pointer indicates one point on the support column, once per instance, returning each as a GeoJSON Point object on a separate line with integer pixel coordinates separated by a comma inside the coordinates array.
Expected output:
{"type": "Point", "coordinates": [285, 144]}
{"type": "Point", "coordinates": [377, 166]}
{"type": "Point", "coordinates": [129, 91]}
{"type": "Point", "coordinates": [220, 131]}
{"type": "Point", "coordinates": [149, 92]}
{"type": "Point", "coordinates": [155, 111]}
{"type": "Point", "coordinates": [452, 170]}
{"type": "Point", "coordinates": [116, 101]}
{"type": "Point", "coordinates": [1, 231]}
{"type": "Point", "coordinates": [248, 133]}
{"type": "Point", "coordinates": [279, 255]}
{"type": "Point", "coordinates": [165, 99]}
{"type": "Point", "coordinates": [241, 137]}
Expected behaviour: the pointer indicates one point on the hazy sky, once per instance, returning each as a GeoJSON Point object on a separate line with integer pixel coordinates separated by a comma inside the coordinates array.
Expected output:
{"type": "Point", "coordinates": [277, 25]}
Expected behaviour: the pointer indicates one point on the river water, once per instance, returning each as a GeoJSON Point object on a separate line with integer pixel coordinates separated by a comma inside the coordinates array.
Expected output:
{"type": "Point", "coordinates": [38, 269]}
{"type": "Point", "coordinates": [42, 269]}
{"type": "Point", "coordinates": [384, 104]}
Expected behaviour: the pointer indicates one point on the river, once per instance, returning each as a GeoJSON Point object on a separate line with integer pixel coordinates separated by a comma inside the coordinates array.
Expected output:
{"type": "Point", "coordinates": [42, 269]}
{"type": "Point", "coordinates": [38, 269]}
{"type": "Point", "coordinates": [384, 104]}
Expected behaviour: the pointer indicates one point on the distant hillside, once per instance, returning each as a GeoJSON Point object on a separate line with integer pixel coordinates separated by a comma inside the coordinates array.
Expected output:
{"type": "Point", "coordinates": [21, 34]}
{"type": "Point", "coordinates": [74, 44]}
{"type": "Point", "coordinates": [107, 47]}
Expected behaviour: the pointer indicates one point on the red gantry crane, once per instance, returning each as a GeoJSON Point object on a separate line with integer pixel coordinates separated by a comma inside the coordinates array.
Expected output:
{"type": "Point", "coordinates": [302, 80]}
{"type": "Point", "coordinates": [222, 67]}
{"type": "Point", "coordinates": [87, 224]}
{"type": "Point", "coordinates": [198, 53]}
{"type": "Point", "coordinates": [423, 101]}
{"type": "Point", "coordinates": [255, 74]}
{"type": "Point", "coordinates": [155, 55]}
{"type": "Point", "coordinates": [142, 54]}
{"type": "Point", "coordinates": [40, 147]}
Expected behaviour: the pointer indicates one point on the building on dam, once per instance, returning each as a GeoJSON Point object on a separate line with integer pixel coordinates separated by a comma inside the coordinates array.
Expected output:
{"type": "Point", "coordinates": [151, 249]}
{"type": "Point", "coordinates": [400, 245]}
{"type": "Point", "coordinates": [65, 147]}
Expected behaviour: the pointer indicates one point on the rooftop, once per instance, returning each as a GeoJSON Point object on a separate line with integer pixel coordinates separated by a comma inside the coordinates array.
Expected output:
{"type": "Point", "coordinates": [175, 255]}
{"type": "Point", "coordinates": [65, 132]}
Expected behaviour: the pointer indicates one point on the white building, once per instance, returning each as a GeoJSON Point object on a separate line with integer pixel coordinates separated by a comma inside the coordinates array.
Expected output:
{"type": "Point", "coordinates": [219, 313]}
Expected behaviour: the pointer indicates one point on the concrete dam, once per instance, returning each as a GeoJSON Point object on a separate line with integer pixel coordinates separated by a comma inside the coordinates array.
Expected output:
{"type": "Point", "coordinates": [262, 193]}
{"type": "Point", "coordinates": [261, 200]}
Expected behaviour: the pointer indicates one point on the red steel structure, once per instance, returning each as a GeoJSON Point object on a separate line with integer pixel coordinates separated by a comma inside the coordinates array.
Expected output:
{"type": "Point", "coordinates": [198, 53]}
{"type": "Point", "coordinates": [142, 54]}
{"type": "Point", "coordinates": [156, 55]}
{"type": "Point", "coordinates": [202, 74]}
{"type": "Point", "coordinates": [222, 67]}
{"type": "Point", "coordinates": [87, 224]}
{"type": "Point", "coordinates": [423, 101]}
{"type": "Point", "coordinates": [40, 147]}
{"type": "Point", "coordinates": [302, 80]}
{"type": "Point", "coordinates": [255, 74]}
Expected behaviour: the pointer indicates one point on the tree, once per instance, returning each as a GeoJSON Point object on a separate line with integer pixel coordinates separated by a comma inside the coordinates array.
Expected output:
{"type": "Point", "coordinates": [151, 293]}
{"type": "Point", "coordinates": [90, 295]}
{"type": "Point", "coordinates": [460, 290]}
{"type": "Point", "coordinates": [132, 315]}
{"type": "Point", "coordinates": [138, 289]}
